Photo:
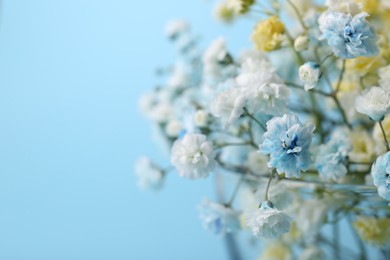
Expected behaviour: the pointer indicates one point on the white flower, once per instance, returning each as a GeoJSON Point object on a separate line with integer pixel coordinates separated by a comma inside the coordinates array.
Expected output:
{"type": "Point", "coordinates": [310, 73]}
{"type": "Point", "coordinates": [373, 102]}
{"type": "Point", "coordinates": [312, 253]}
{"type": "Point", "coordinates": [301, 43]}
{"type": "Point", "coordinates": [268, 222]}
{"type": "Point", "coordinates": [162, 112]}
{"type": "Point", "coordinates": [218, 218]}
{"type": "Point", "coordinates": [193, 156]}
{"type": "Point", "coordinates": [384, 77]}
{"type": "Point", "coordinates": [149, 176]}
{"type": "Point", "coordinates": [173, 128]}
{"type": "Point", "coordinates": [261, 88]}
{"type": "Point", "coordinates": [228, 105]}
{"type": "Point", "coordinates": [179, 78]}
{"type": "Point", "coordinates": [215, 58]}
{"type": "Point", "coordinates": [201, 118]}
{"type": "Point", "coordinates": [175, 28]}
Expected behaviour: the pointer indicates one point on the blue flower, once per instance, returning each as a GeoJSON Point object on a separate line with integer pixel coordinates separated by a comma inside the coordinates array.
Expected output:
{"type": "Point", "coordinates": [347, 36]}
{"type": "Point", "coordinates": [332, 157]}
{"type": "Point", "coordinates": [380, 172]}
{"type": "Point", "coordinates": [288, 142]}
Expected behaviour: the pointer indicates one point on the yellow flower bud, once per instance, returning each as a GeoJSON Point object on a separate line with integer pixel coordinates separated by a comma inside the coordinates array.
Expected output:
{"type": "Point", "coordinates": [268, 34]}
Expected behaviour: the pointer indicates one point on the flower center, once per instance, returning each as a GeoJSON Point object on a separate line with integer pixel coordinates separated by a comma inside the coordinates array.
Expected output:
{"type": "Point", "coordinates": [290, 144]}
{"type": "Point", "coordinates": [196, 157]}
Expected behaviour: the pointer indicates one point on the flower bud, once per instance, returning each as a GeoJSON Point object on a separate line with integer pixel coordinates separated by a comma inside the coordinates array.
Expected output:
{"type": "Point", "coordinates": [301, 43]}
{"type": "Point", "coordinates": [310, 73]}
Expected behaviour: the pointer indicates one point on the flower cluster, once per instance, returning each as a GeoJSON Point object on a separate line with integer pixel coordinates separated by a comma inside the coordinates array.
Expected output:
{"type": "Point", "coordinates": [298, 124]}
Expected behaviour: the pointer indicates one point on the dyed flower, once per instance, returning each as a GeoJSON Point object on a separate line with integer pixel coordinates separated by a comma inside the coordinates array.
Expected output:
{"type": "Point", "coordinates": [218, 218]}
{"type": "Point", "coordinates": [268, 34]}
{"type": "Point", "coordinates": [228, 105]}
{"type": "Point", "coordinates": [380, 172]}
{"type": "Point", "coordinates": [332, 157]}
{"type": "Point", "coordinates": [310, 73]}
{"type": "Point", "coordinates": [268, 222]}
{"type": "Point", "coordinates": [347, 36]}
{"type": "Point", "coordinates": [262, 89]}
{"type": "Point", "coordinates": [193, 156]}
{"type": "Point", "coordinates": [375, 231]}
{"type": "Point", "coordinates": [288, 142]}
{"type": "Point", "coordinates": [312, 253]}
{"type": "Point", "coordinates": [373, 102]}
{"type": "Point", "coordinates": [150, 177]}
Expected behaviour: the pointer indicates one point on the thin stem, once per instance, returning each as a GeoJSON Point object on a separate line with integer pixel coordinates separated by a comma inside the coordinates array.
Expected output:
{"type": "Point", "coordinates": [318, 91]}
{"type": "Point", "coordinates": [254, 119]}
{"type": "Point", "coordinates": [236, 189]}
{"type": "Point", "coordinates": [298, 15]}
{"type": "Point", "coordinates": [233, 144]}
{"type": "Point", "coordinates": [269, 184]}
{"type": "Point", "coordinates": [384, 136]}
{"type": "Point", "coordinates": [342, 112]}
{"type": "Point", "coordinates": [326, 57]}
{"type": "Point", "coordinates": [340, 77]}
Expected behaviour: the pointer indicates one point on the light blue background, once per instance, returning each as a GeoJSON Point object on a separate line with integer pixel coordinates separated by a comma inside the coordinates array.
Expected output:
{"type": "Point", "coordinates": [70, 75]}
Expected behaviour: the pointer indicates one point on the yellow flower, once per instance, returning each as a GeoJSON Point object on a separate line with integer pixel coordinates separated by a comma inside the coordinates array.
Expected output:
{"type": "Point", "coordinates": [224, 13]}
{"type": "Point", "coordinates": [363, 147]}
{"type": "Point", "coordinates": [268, 34]}
{"type": "Point", "coordinates": [369, 6]}
{"type": "Point", "coordinates": [276, 251]}
{"type": "Point", "coordinates": [364, 65]}
{"type": "Point", "coordinates": [294, 235]}
{"type": "Point", "coordinates": [375, 231]}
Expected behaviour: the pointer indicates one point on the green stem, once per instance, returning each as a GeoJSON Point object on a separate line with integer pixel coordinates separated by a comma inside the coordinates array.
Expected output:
{"type": "Point", "coordinates": [363, 253]}
{"type": "Point", "coordinates": [269, 184]}
{"type": "Point", "coordinates": [336, 241]}
{"type": "Point", "coordinates": [254, 119]}
{"type": "Point", "coordinates": [384, 136]}
{"type": "Point", "coordinates": [342, 112]}
{"type": "Point", "coordinates": [340, 77]}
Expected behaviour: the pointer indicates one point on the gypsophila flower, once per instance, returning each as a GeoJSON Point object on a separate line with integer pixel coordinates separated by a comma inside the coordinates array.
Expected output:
{"type": "Point", "coordinates": [149, 176]}
{"type": "Point", "coordinates": [301, 43]}
{"type": "Point", "coordinates": [201, 118]}
{"type": "Point", "coordinates": [173, 128]}
{"type": "Point", "coordinates": [332, 157]}
{"type": "Point", "coordinates": [228, 105]}
{"type": "Point", "coordinates": [288, 142]}
{"type": "Point", "coordinates": [268, 222]}
{"type": "Point", "coordinates": [193, 156]}
{"type": "Point", "coordinates": [268, 34]}
{"type": "Point", "coordinates": [373, 102]}
{"type": "Point", "coordinates": [224, 12]}
{"type": "Point", "coordinates": [380, 172]}
{"type": "Point", "coordinates": [343, 6]}
{"type": "Point", "coordinates": [218, 218]}
{"type": "Point", "coordinates": [310, 73]}
{"type": "Point", "coordinates": [262, 89]}
{"type": "Point", "coordinates": [347, 36]}
{"type": "Point", "coordinates": [216, 60]}
{"type": "Point", "coordinates": [276, 251]}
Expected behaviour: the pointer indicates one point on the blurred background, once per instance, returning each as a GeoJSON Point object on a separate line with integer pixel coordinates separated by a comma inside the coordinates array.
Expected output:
{"type": "Point", "coordinates": [71, 73]}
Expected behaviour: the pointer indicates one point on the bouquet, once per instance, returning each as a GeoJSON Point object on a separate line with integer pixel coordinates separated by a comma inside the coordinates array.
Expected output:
{"type": "Point", "coordinates": [295, 132]}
